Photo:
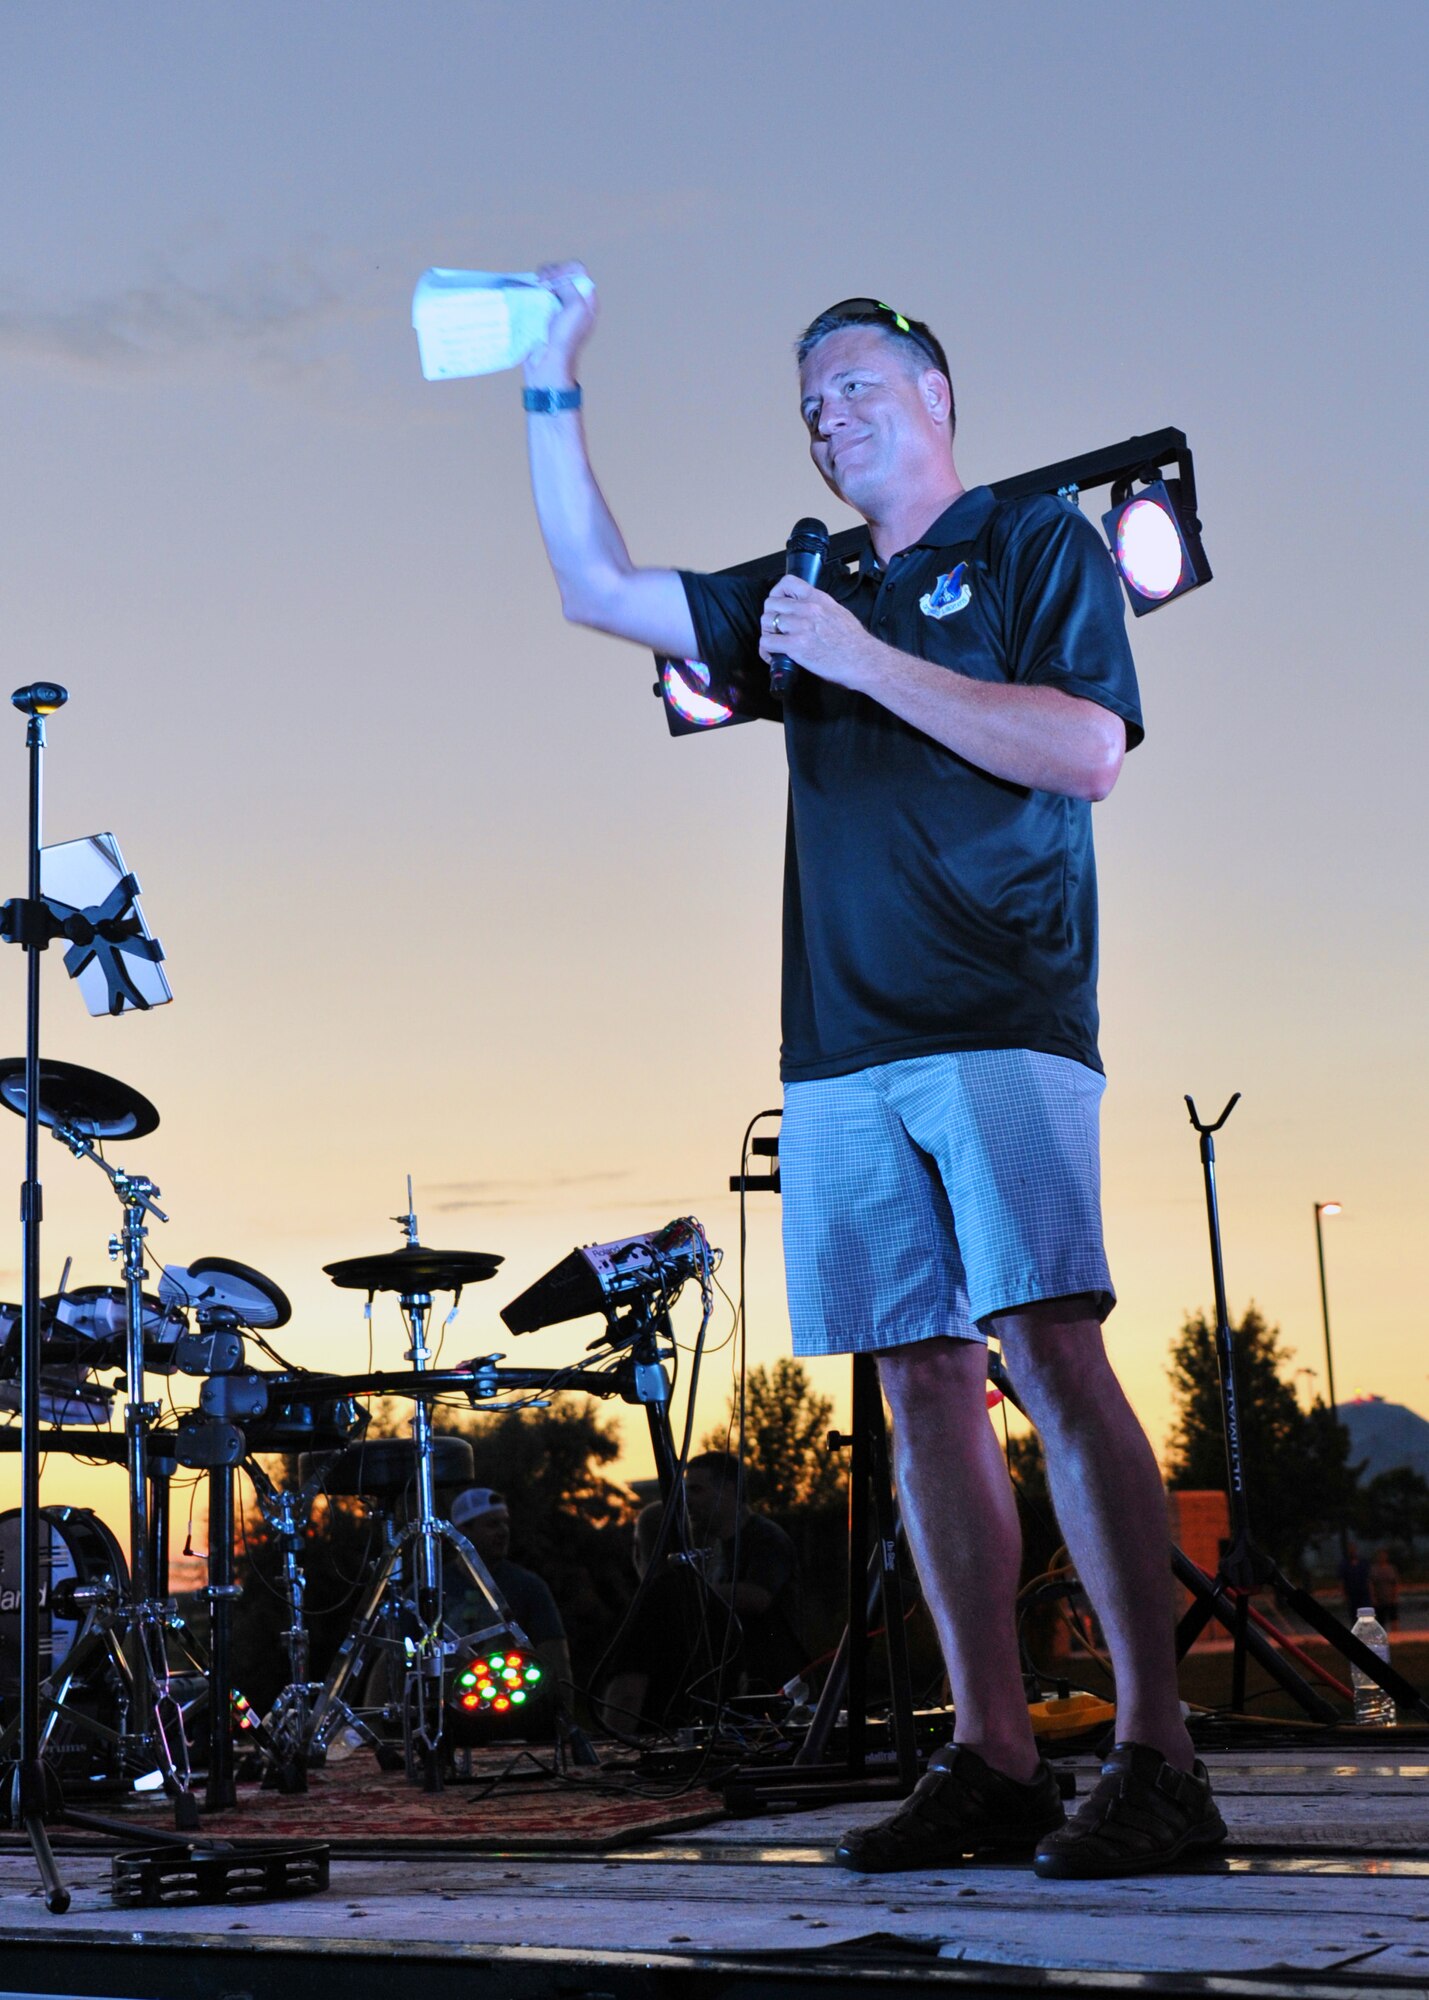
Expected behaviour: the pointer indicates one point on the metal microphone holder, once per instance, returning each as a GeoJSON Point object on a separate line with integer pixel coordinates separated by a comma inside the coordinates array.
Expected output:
{"type": "Point", "coordinates": [1246, 1569]}
{"type": "Point", "coordinates": [641, 1371]}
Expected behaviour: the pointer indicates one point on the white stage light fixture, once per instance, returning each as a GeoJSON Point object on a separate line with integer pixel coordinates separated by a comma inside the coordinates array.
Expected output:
{"type": "Point", "coordinates": [1155, 543]}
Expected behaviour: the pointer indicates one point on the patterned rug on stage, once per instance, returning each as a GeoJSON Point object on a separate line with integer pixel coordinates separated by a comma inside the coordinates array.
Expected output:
{"type": "Point", "coordinates": [356, 1806]}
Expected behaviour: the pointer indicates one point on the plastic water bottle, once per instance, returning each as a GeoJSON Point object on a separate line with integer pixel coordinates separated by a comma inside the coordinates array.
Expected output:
{"type": "Point", "coordinates": [1372, 1704]}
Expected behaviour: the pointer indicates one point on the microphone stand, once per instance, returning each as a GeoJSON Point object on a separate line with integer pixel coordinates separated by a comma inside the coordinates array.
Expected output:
{"type": "Point", "coordinates": [1246, 1569]}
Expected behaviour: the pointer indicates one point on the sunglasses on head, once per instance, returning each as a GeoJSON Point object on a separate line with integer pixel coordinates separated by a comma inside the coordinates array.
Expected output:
{"type": "Point", "coordinates": [875, 312]}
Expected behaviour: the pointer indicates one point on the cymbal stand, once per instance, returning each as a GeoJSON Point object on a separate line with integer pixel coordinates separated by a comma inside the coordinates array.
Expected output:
{"type": "Point", "coordinates": [158, 1739]}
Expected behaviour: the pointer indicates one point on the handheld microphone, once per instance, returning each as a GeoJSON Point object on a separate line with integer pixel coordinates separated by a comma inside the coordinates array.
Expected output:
{"type": "Point", "coordinates": [804, 554]}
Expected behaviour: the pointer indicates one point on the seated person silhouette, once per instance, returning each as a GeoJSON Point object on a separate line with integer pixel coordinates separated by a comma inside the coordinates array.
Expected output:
{"type": "Point", "coordinates": [715, 1619]}
{"type": "Point", "coordinates": [755, 1568]}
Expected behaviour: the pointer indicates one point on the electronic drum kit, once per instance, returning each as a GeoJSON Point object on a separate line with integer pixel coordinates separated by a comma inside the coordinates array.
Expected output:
{"type": "Point", "coordinates": [130, 1694]}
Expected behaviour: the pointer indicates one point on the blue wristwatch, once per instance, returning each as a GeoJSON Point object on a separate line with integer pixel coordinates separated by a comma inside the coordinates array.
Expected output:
{"type": "Point", "coordinates": [545, 402]}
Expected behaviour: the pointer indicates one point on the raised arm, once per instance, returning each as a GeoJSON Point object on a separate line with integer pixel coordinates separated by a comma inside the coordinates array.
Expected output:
{"type": "Point", "coordinates": [600, 586]}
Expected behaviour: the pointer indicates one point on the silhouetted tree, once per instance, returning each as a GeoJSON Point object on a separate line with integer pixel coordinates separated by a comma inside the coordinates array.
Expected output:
{"type": "Point", "coordinates": [1393, 1507]}
{"type": "Point", "coordinates": [1298, 1478]}
{"type": "Point", "coordinates": [788, 1468]}
{"type": "Point", "coordinates": [791, 1475]}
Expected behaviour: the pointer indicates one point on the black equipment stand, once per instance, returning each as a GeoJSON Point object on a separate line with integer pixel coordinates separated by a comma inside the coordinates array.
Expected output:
{"type": "Point", "coordinates": [221, 1789]}
{"type": "Point", "coordinates": [1246, 1569]}
{"type": "Point", "coordinates": [874, 1585]}
{"type": "Point", "coordinates": [877, 1585]}
{"type": "Point", "coordinates": [34, 922]}
{"type": "Point", "coordinates": [35, 1793]}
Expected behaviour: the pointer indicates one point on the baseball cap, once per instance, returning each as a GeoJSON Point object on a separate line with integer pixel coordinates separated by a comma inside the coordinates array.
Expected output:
{"type": "Point", "coordinates": [475, 1501]}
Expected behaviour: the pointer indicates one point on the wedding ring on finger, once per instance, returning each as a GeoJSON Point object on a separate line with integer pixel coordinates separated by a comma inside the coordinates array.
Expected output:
{"type": "Point", "coordinates": [778, 628]}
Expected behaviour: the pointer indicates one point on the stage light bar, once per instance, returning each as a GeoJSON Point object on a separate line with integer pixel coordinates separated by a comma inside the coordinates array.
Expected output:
{"type": "Point", "coordinates": [683, 685]}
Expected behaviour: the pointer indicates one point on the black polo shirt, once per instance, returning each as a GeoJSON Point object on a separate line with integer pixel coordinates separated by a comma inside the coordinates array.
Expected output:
{"type": "Point", "coordinates": [930, 907]}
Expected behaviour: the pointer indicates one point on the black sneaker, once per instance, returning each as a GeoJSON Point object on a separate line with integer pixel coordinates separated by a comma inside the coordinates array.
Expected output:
{"type": "Point", "coordinates": [960, 1807]}
{"type": "Point", "coordinates": [1142, 1814]}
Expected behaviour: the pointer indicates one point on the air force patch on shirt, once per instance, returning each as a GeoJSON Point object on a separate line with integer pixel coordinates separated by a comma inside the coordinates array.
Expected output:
{"type": "Point", "coordinates": [949, 594]}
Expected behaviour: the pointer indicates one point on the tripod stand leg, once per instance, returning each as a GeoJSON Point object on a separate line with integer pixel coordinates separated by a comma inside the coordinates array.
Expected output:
{"type": "Point", "coordinates": [865, 1391]}
{"type": "Point", "coordinates": [1407, 1697]}
{"type": "Point", "coordinates": [1239, 1629]}
{"type": "Point", "coordinates": [878, 1584]}
{"type": "Point", "coordinates": [221, 1592]}
{"type": "Point", "coordinates": [900, 1680]}
{"type": "Point", "coordinates": [1214, 1600]}
{"type": "Point", "coordinates": [352, 1653]}
{"type": "Point", "coordinates": [35, 1793]}
{"type": "Point", "coordinates": [56, 1894]}
{"type": "Point", "coordinates": [831, 1698]}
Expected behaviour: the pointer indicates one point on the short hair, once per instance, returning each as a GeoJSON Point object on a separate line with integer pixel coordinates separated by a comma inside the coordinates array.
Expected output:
{"type": "Point", "coordinates": [723, 1464]}
{"type": "Point", "coordinates": [914, 336]}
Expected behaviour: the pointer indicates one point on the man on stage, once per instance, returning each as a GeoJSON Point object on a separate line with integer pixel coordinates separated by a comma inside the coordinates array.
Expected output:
{"type": "Point", "coordinates": [964, 692]}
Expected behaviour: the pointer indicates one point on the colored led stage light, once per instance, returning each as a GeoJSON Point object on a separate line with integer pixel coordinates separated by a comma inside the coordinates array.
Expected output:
{"type": "Point", "coordinates": [1155, 543]}
{"type": "Point", "coordinates": [686, 683]}
{"type": "Point", "coordinates": [1148, 549]}
{"type": "Point", "coordinates": [492, 1683]}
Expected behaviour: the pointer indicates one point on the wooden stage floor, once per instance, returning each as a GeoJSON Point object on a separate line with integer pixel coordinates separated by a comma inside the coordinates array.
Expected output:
{"type": "Point", "coordinates": [1323, 1889]}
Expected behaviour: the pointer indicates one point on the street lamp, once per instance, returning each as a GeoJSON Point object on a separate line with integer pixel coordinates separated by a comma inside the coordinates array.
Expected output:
{"type": "Point", "coordinates": [1326, 1208]}
{"type": "Point", "coordinates": [1323, 1208]}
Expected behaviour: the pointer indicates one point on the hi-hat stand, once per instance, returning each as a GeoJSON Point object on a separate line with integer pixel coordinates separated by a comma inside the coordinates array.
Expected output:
{"type": "Point", "coordinates": [1246, 1569]}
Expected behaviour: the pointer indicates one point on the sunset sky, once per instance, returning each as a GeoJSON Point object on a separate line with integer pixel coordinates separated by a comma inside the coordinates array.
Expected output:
{"type": "Point", "coordinates": [439, 894]}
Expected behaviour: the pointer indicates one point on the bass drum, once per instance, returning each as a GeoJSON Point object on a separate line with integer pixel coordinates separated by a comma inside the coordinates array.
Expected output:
{"type": "Point", "coordinates": [75, 1548]}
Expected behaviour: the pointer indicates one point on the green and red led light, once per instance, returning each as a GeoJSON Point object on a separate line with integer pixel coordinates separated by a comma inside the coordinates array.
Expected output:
{"type": "Point", "coordinates": [496, 1682]}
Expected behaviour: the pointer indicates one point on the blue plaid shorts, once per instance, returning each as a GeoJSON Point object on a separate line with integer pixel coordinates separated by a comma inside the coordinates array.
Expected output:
{"type": "Point", "coordinates": [922, 1197]}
